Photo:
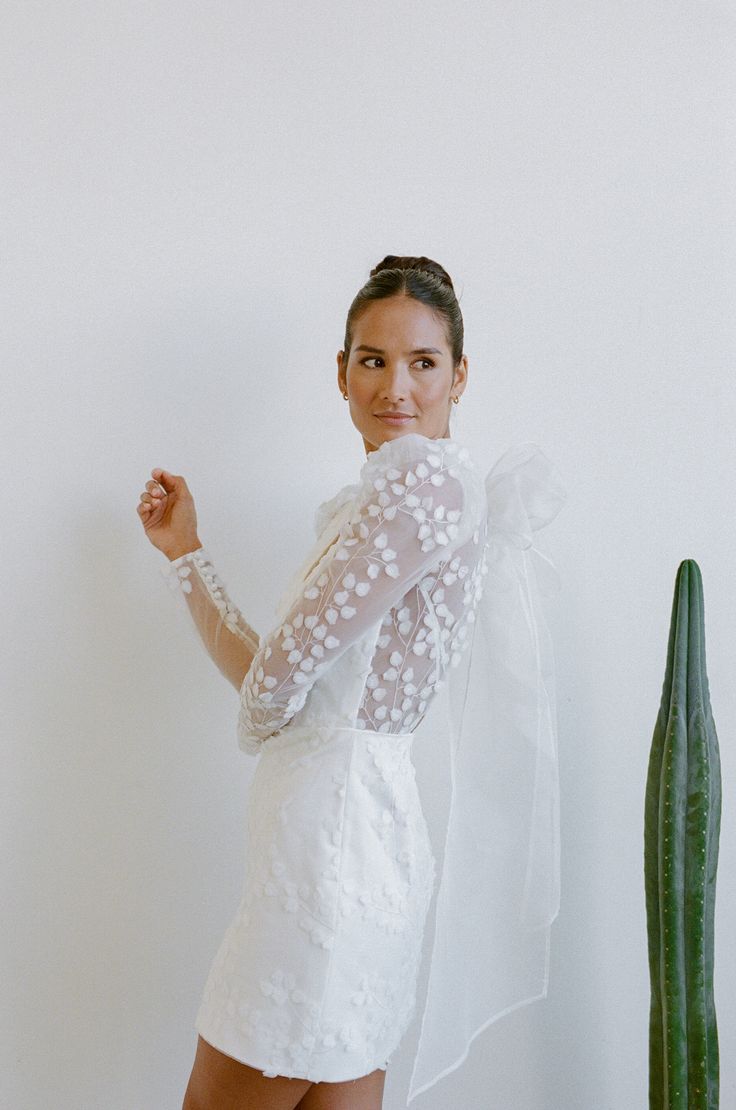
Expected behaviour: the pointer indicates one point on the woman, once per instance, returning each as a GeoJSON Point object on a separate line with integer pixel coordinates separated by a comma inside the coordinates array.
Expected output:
{"type": "Point", "coordinates": [313, 986]}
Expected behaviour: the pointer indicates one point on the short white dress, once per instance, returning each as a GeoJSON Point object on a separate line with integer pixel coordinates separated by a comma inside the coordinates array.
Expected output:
{"type": "Point", "coordinates": [316, 975]}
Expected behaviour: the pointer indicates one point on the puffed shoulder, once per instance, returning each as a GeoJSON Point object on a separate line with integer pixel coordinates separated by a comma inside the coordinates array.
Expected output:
{"type": "Point", "coordinates": [411, 462]}
{"type": "Point", "coordinates": [416, 457]}
{"type": "Point", "coordinates": [414, 447]}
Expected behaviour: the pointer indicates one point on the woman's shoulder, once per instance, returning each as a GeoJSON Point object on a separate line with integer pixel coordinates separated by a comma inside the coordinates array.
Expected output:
{"type": "Point", "coordinates": [408, 461]}
{"type": "Point", "coordinates": [413, 458]}
{"type": "Point", "coordinates": [441, 455]}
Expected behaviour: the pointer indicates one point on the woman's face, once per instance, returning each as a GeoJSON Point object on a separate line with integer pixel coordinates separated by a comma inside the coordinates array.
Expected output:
{"type": "Point", "coordinates": [399, 363]}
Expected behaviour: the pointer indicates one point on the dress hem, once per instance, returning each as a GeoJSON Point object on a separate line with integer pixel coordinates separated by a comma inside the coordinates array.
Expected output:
{"type": "Point", "coordinates": [269, 1073]}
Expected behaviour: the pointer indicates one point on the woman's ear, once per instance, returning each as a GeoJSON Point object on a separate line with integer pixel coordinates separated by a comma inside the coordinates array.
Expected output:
{"type": "Point", "coordinates": [341, 373]}
{"type": "Point", "coordinates": [460, 376]}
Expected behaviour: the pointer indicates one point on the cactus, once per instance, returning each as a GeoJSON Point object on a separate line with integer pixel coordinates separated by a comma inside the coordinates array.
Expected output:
{"type": "Point", "coordinates": [682, 819]}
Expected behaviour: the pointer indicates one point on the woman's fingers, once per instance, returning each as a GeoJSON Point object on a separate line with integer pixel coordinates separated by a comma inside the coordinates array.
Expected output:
{"type": "Point", "coordinates": [152, 497]}
{"type": "Point", "coordinates": [153, 494]}
{"type": "Point", "coordinates": [164, 478]}
{"type": "Point", "coordinates": [154, 489]}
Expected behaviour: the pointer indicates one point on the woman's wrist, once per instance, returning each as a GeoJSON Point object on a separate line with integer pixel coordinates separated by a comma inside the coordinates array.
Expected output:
{"type": "Point", "coordinates": [183, 549]}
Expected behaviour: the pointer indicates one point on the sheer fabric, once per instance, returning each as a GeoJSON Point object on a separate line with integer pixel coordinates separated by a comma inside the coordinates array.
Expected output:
{"type": "Point", "coordinates": [398, 551]}
{"type": "Point", "coordinates": [500, 883]}
{"type": "Point", "coordinates": [391, 595]}
{"type": "Point", "coordinates": [227, 637]}
{"type": "Point", "coordinates": [405, 524]}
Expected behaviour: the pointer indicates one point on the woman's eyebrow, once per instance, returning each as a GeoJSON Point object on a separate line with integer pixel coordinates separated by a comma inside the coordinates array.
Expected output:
{"type": "Point", "coordinates": [418, 351]}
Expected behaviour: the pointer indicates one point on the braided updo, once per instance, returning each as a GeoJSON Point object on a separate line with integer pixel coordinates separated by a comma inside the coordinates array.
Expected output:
{"type": "Point", "coordinates": [421, 278]}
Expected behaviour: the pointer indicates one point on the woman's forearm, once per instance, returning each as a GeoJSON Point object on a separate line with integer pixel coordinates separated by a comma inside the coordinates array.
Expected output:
{"type": "Point", "coordinates": [228, 638]}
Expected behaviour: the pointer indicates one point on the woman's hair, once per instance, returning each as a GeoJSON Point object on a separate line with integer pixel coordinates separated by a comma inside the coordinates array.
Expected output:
{"type": "Point", "coordinates": [420, 278]}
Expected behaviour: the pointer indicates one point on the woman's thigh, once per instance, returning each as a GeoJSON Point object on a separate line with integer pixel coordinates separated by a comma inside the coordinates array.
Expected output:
{"type": "Point", "coordinates": [218, 1082]}
{"type": "Point", "coordinates": [365, 1093]}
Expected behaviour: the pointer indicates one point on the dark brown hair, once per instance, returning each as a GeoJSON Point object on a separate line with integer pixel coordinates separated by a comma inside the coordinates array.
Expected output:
{"type": "Point", "coordinates": [420, 278]}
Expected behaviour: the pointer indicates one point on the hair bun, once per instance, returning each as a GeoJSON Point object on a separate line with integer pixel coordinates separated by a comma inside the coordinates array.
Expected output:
{"type": "Point", "coordinates": [407, 262]}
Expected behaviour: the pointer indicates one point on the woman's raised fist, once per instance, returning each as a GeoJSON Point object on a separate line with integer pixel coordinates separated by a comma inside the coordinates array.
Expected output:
{"type": "Point", "coordinates": [167, 513]}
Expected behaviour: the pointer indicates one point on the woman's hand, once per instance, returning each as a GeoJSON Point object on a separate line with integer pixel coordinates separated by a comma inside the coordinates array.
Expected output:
{"type": "Point", "coordinates": [167, 513]}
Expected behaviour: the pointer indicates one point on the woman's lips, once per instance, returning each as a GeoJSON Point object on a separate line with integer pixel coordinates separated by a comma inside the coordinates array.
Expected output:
{"type": "Point", "coordinates": [389, 418]}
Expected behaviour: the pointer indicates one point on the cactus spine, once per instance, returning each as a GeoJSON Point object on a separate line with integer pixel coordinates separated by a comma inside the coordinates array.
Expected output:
{"type": "Point", "coordinates": [682, 819]}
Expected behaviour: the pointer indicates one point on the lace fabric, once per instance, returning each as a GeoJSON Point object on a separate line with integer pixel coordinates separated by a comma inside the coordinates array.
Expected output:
{"type": "Point", "coordinates": [391, 562]}
{"type": "Point", "coordinates": [227, 637]}
{"type": "Point", "coordinates": [436, 569]}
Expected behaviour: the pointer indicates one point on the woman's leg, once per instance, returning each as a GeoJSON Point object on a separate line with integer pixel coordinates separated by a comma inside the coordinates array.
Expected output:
{"type": "Point", "coordinates": [218, 1082]}
{"type": "Point", "coordinates": [365, 1093]}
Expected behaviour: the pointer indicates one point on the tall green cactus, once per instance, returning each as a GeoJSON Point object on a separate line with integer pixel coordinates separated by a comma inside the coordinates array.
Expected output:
{"type": "Point", "coordinates": [682, 821]}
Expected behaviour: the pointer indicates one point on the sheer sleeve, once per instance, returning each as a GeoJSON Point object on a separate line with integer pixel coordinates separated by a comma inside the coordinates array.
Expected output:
{"type": "Point", "coordinates": [404, 515]}
{"type": "Point", "coordinates": [227, 636]}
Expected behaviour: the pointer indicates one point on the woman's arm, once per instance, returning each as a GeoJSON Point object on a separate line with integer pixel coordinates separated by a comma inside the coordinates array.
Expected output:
{"type": "Point", "coordinates": [227, 636]}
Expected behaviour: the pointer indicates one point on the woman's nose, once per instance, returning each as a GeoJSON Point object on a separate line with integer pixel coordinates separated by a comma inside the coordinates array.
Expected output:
{"type": "Point", "coordinates": [394, 382]}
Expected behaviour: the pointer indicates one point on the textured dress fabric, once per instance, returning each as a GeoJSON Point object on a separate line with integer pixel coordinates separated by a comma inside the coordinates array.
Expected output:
{"type": "Point", "coordinates": [316, 975]}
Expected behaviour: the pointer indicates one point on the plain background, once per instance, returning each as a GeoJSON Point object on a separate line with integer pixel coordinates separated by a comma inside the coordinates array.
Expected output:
{"type": "Point", "coordinates": [192, 195]}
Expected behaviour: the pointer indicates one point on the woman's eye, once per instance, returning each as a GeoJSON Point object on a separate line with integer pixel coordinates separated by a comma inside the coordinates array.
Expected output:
{"type": "Point", "coordinates": [374, 358]}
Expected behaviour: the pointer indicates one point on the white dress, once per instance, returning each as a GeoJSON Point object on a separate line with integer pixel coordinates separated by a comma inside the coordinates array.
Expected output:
{"type": "Point", "coordinates": [315, 977]}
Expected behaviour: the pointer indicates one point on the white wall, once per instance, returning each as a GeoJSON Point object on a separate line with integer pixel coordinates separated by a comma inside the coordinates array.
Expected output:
{"type": "Point", "coordinates": [192, 195]}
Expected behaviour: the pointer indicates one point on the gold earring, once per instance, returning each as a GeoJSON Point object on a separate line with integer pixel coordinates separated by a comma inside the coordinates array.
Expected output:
{"type": "Point", "coordinates": [456, 400]}
{"type": "Point", "coordinates": [345, 396]}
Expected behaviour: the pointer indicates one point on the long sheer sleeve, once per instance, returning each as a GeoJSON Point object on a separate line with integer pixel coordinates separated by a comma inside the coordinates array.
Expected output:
{"type": "Point", "coordinates": [405, 514]}
{"type": "Point", "coordinates": [229, 639]}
